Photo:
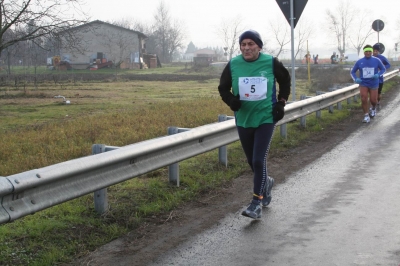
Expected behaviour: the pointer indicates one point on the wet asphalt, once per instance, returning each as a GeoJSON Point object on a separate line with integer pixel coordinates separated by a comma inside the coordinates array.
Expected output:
{"type": "Point", "coordinates": [342, 209]}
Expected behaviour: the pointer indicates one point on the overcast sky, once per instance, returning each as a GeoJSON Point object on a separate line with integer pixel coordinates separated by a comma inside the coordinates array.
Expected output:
{"type": "Point", "coordinates": [202, 17]}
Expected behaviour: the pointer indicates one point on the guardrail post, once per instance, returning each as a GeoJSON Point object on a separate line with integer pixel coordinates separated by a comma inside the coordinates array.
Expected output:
{"type": "Point", "coordinates": [330, 108]}
{"type": "Point", "coordinates": [283, 130]}
{"type": "Point", "coordinates": [173, 169]}
{"type": "Point", "coordinates": [339, 104]}
{"type": "Point", "coordinates": [100, 196]}
{"type": "Point", "coordinates": [318, 114]}
{"type": "Point", "coordinates": [223, 151]}
{"type": "Point", "coordinates": [283, 127]}
{"type": "Point", "coordinates": [4, 186]}
{"type": "Point", "coordinates": [303, 121]}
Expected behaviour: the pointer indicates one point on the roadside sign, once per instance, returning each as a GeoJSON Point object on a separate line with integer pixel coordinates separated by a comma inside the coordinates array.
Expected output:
{"type": "Point", "coordinates": [292, 10]}
{"type": "Point", "coordinates": [378, 25]}
{"type": "Point", "coordinates": [298, 7]}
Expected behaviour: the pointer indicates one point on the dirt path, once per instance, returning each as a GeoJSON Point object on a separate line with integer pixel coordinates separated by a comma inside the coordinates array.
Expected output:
{"type": "Point", "coordinates": [160, 234]}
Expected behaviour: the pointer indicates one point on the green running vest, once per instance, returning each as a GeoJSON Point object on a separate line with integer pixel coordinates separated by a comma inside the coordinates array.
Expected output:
{"type": "Point", "coordinates": [255, 81]}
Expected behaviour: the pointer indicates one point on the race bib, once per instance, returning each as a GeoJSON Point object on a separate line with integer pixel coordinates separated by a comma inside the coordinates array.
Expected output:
{"type": "Point", "coordinates": [253, 88]}
{"type": "Point", "coordinates": [368, 72]}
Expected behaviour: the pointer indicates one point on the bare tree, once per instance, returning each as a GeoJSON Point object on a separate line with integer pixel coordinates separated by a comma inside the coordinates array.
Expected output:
{"type": "Point", "coordinates": [10, 53]}
{"type": "Point", "coordinates": [35, 52]}
{"type": "Point", "coordinates": [168, 35]}
{"type": "Point", "coordinates": [229, 31]}
{"type": "Point", "coordinates": [281, 35]}
{"type": "Point", "coordinates": [144, 27]}
{"type": "Point", "coordinates": [361, 30]}
{"type": "Point", "coordinates": [50, 17]}
{"type": "Point", "coordinates": [303, 32]}
{"type": "Point", "coordinates": [127, 23]}
{"type": "Point", "coordinates": [176, 38]}
{"type": "Point", "coordinates": [165, 36]}
{"type": "Point", "coordinates": [339, 22]}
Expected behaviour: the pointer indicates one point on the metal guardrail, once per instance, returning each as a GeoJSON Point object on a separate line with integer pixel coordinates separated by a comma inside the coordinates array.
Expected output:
{"type": "Point", "coordinates": [345, 65]}
{"type": "Point", "coordinates": [35, 190]}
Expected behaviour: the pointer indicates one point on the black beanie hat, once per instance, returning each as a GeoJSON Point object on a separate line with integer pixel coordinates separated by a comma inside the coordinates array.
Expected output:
{"type": "Point", "coordinates": [376, 47]}
{"type": "Point", "coordinates": [253, 35]}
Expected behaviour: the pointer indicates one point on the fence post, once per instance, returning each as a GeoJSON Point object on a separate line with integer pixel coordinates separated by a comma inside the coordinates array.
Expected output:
{"type": "Point", "coordinates": [100, 196]}
{"type": "Point", "coordinates": [223, 151]}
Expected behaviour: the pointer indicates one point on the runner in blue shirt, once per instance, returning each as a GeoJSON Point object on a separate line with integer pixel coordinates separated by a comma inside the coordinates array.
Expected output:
{"type": "Point", "coordinates": [386, 63]}
{"type": "Point", "coordinates": [370, 69]}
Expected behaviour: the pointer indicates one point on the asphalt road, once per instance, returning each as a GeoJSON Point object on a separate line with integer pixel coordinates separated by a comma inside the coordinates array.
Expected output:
{"type": "Point", "coordinates": [343, 209]}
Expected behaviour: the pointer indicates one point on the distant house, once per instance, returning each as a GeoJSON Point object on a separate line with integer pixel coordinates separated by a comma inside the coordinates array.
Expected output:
{"type": "Point", "coordinates": [99, 43]}
{"type": "Point", "coordinates": [188, 57]}
{"type": "Point", "coordinates": [204, 57]}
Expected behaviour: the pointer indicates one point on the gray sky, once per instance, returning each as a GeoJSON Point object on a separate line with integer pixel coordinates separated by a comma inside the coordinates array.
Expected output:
{"type": "Point", "coordinates": [202, 17]}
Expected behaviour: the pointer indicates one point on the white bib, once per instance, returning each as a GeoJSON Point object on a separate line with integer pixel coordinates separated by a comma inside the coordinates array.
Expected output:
{"type": "Point", "coordinates": [368, 72]}
{"type": "Point", "coordinates": [253, 88]}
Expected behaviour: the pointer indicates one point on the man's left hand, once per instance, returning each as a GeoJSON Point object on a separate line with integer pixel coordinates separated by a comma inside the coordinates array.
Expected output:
{"type": "Point", "coordinates": [279, 111]}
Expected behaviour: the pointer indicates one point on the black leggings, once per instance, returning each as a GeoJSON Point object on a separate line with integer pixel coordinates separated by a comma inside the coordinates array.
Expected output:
{"type": "Point", "coordinates": [380, 88]}
{"type": "Point", "coordinates": [255, 143]}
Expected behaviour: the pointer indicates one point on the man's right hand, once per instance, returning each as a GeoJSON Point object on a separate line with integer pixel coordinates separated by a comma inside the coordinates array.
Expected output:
{"type": "Point", "coordinates": [235, 103]}
{"type": "Point", "coordinates": [358, 80]}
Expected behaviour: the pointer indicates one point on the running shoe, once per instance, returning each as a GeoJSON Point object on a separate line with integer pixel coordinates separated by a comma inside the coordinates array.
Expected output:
{"type": "Point", "coordinates": [267, 194]}
{"type": "Point", "coordinates": [366, 119]}
{"type": "Point", "coordinates": [253, 211]}
{"type": "Point", "coordinates": [372, 112]}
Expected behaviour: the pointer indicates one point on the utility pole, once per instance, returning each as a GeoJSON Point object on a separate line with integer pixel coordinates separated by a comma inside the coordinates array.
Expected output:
{"type": "Point", "coordinates": [292, 48]}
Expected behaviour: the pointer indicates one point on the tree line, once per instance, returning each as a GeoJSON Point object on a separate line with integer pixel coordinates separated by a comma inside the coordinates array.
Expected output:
{"type": "Point", "coordinates": [29, 28]}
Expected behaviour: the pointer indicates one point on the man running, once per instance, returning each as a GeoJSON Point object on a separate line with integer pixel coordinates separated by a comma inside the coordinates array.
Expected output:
{"type": "Point", "coordinates": [370, 69]}
{"type": "Point", "coordinates": [248, 87]}
{"type": "Point", "coordinates": [386, 63]}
